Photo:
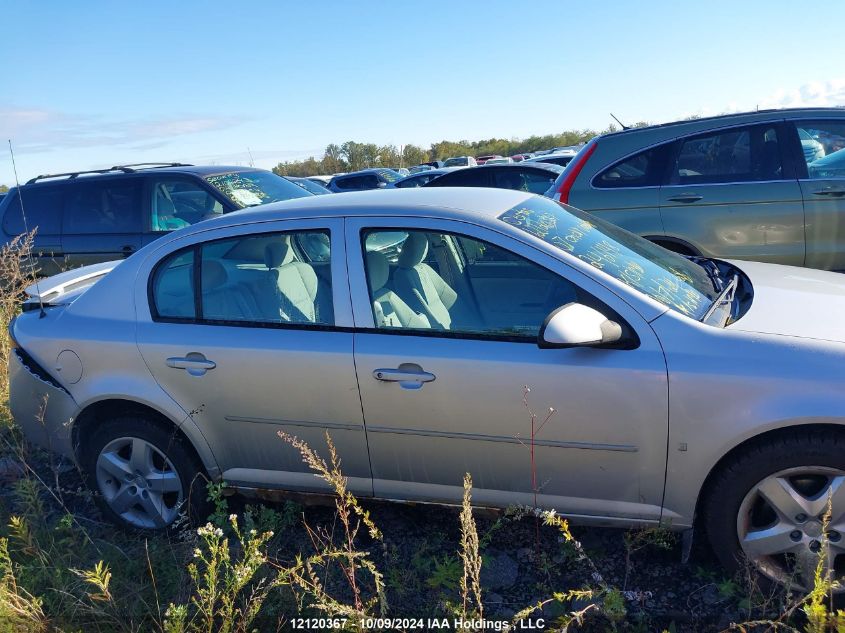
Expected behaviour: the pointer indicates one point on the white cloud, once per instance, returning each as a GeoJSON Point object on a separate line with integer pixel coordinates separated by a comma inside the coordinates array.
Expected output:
{"type": "Point", "coordinates": [40, 130]}
{"type": "Point", "coordinates": [814, 93]}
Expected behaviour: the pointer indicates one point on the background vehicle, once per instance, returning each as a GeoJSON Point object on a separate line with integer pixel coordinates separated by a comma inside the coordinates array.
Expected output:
{"type": "Point", "coordinates": [420, 179]}
{"type": "Point", "coordinates": [460, 161]}
{"type": "Point", "coordinates": [309, 185]}
{"type": "Point", "coordinates": [362, 180]}
{"type": "Point", "coordinates": [88, 217]}
{"type": "Point", "coordinates": [499, 160]}
{"type": "Point", "coordinates": [343, 314]}
{"type": "Point", "coordinates": [558, 158]}
{"type": "Point", "coordinates": [483, 159]}
{"type": "Point", "coordinates": [418, 168]}
{"type": "Point", "coordinates": [524, 176]}
{"type": "Point", "coordinates": [321, 180]}
{"type": "Point", "coordinates": [742, 186]}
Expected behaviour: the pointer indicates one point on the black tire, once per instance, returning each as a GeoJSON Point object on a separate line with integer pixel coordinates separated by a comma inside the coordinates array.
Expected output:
{"type": "Point", "coordinates": [170, 443]}
{"type": "Point", "coordinates": [736, 478]}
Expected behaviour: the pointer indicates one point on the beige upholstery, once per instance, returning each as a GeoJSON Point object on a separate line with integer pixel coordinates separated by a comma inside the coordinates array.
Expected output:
{"type": "Point", "coordinates": [295, 283]}
{"type": "Point", "coordinates": [420, 286]}
{"type": "Point", "coordinates": [388, 308]}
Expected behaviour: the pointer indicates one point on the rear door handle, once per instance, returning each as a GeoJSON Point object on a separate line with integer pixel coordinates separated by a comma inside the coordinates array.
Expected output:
{"type": "Point", "coordinates": [408, 375]}
{"type": "Point", "coordinates": [194, 363]}
{"type": "Point", "coordinates": [834, 192]}
{"type": "Point", "coordinates": [686, 198]}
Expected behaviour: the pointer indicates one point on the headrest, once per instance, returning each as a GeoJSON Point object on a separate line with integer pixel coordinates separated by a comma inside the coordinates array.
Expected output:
{"type": "Point", "coordinates": [378, 270]}
{"type": "Point", "coordinates": [414, 250]}
{"type": "Point", "coordinates": [213, 275]}
{"type": "Point", "coordinates": [278, 254]}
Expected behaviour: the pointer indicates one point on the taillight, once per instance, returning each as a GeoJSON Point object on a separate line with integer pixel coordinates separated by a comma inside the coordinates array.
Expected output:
{"type": "Point", "coordinates": [573, 169]}
{"type": "Point", "coordinates": [13, 343]}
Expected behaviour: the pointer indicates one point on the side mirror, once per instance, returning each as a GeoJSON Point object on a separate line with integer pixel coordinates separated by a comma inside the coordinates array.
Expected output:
{"type": "Point", "coordinates": [577, 325]}
{"type": "Point", "coordinates": [381, 185]}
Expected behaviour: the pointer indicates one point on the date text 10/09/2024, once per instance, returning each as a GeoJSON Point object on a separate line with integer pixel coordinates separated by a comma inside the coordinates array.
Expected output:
{"type": "Point", "coordinates": [421, 624]}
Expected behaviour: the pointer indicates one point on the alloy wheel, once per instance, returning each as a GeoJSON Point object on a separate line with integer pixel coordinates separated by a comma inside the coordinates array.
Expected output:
{"type": "Point", "coordinates": [780, 525]}
{"type": "Point", "coordinates": [139, 483]}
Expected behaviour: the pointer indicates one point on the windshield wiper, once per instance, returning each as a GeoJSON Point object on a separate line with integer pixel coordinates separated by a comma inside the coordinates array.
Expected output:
{"type": "Point", "coordinates": [712, 271]}
{"type": "Point", "coordinates": [726, 296]}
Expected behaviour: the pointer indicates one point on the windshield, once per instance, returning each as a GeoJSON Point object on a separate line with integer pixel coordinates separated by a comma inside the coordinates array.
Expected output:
{"type": "Point", "coordinates": [674, 281]}
{"type": "Point", "coordinates": [251, 188]}
{"type": "Point", "coordinates": [388, 175]}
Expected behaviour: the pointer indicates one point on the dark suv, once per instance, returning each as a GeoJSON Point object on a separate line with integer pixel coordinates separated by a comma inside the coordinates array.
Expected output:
{"type": "Point", "coordinates": [88, 217]}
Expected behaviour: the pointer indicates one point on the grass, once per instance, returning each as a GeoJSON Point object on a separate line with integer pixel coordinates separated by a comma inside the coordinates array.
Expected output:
{"type": "Point", "coordinates": [257, 567]}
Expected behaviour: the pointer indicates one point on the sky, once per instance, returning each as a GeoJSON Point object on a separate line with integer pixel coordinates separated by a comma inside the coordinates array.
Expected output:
{"type": "Point", "coordinates": [93, 84]}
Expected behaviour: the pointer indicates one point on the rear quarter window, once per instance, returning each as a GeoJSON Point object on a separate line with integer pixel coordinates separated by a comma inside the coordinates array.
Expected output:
{"type": "Point", "coordinates": [644, 169]}
{"type": "Point", "coordinates": [42, 208]}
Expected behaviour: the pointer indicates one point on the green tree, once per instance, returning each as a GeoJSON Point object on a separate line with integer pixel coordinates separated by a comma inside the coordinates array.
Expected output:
{"type": "Point", "coordinates": [3, 188]}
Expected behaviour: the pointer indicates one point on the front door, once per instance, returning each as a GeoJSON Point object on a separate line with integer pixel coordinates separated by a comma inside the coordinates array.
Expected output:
{"type": "Point", "coordinates": [732, 194]}
{"type": "Point", "coordinates": [262, 349]}
{"type": "Point", "coordinates": [821, 167]}
{"type": "Point", "coordinates": [447, 319]}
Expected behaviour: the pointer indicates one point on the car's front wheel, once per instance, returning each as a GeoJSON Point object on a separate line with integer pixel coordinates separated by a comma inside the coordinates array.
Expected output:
{"type": "Point", "coordinates": [768, 506]}
{"type": "Point", "coordinates": [145, 475]}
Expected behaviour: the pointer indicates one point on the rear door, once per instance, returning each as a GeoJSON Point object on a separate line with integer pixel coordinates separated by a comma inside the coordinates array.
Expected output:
{"type": "Point", "coordinates": [821, 169]}
{"type": "Point", "coordinates": [246, 364]}
{"type": "Point", "coordinates": [103, 220]}
{"type": "Point", "coordinates": [733, 193]}
{"type": "Point", "coordinates": [627, 192]}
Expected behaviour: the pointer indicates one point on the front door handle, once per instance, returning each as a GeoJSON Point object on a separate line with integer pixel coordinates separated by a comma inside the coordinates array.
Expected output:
{"type": "Point", "coordinates": [686, 198]}
{"type": "Point", "coordinates": [408, 375]}
{"type": "Point", "coordinates": [194, 363]}
{"type": "Point", "coordinates": [834, 192]}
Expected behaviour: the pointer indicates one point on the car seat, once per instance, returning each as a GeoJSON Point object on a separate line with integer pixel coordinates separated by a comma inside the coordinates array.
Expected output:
{"type": "Point", "coordinates": [388, 308]}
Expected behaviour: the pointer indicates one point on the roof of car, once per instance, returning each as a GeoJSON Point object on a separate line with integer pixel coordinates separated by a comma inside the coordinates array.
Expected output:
{"type": "Point", "coordinates": [83, 176]}
{"type": "Point", "coordinates": [523, 164]}
{"type": "Point", "coordinates": [465, 201]}
{"type": "Point", "coordinates": [371, 170]}
{"type": "Point", "coordinates": [787, 112]}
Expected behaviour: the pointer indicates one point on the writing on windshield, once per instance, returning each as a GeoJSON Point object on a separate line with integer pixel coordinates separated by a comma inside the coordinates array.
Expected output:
{"type": "Point", "coordinates": [664, 276]}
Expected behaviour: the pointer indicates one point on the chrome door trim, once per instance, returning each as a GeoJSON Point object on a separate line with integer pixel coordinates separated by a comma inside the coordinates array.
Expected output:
{"type": "Point", "coordinates": [591, 446]}
{"type": "Point", "coordinates": [328, 425]}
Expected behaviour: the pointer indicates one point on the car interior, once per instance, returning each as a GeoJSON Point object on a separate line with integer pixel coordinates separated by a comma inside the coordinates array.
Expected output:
{"type": "Point", "coordinates": [418, 280]}
{"type": "Point", "coordinates": [448, 282]}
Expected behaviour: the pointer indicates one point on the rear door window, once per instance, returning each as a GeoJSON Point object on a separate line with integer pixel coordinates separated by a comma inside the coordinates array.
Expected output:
{"type": "Point", "coordinates": [42, 208]}
{"type": "Point", "coordinates": [744, 154]}
{"type": "Point", "coordinates": [353, 182]}
{"type": "Point", "coordinates": [104, 207]}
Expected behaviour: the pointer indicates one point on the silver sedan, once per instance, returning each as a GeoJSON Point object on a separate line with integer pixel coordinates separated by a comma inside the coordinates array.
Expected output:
{"type": "Point", "coordinates": [406, 323]}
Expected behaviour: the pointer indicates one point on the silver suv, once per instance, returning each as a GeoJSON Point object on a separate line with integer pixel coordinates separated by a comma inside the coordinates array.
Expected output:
{"type": "Point", "coordinates": [766, 186]}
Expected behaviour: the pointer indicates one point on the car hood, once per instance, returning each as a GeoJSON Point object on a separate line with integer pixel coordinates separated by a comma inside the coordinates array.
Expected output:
{"type": "Point", "coordinates": [792, 301]}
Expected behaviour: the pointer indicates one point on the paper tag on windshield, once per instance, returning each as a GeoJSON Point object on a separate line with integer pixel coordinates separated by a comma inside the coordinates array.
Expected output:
{"type": "Point", "coordinates": [245, 197]}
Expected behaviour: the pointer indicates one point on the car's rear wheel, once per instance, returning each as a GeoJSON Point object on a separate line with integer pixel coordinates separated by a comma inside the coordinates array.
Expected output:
{"type": "Point", "coordinates": [767, 507]}
{"type": "Point", "coordinates": [145, 475]}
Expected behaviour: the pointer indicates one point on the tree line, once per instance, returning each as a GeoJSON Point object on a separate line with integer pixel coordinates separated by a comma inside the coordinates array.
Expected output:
{"type": "Point", "coordinates": [352, 156]}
